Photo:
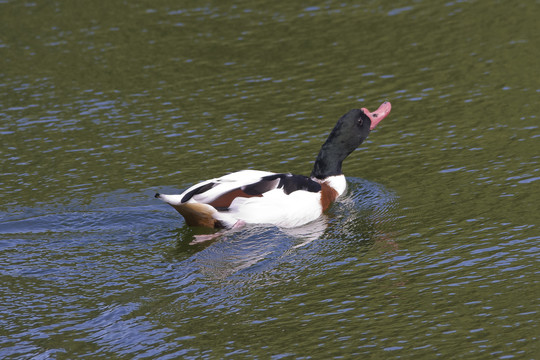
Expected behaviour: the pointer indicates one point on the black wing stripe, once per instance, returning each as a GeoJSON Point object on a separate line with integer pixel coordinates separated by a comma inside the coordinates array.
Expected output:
{"type": "Point", "coordinates": [260, 187]}
{"type": "Point", "coordinates": [198, 190]}
{"type": "Point", "coordinates": [291, 183]}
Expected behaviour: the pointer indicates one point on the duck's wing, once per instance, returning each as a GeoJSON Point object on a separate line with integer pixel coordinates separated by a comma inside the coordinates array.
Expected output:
{"type": "Point", "coordinates": [210, 191]}
{"type": "Point", "coordinates": [221, 192]}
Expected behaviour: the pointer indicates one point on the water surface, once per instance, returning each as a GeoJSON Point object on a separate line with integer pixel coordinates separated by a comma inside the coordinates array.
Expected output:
{"type": "Point", "coordinates": [432, 252]}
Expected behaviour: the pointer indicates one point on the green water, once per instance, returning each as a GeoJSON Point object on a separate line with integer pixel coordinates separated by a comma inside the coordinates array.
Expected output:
{"type": "Point", "coordinates": [432, 253]}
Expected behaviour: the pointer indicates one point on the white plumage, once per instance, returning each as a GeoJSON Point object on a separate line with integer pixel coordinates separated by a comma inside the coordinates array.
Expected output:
{"type": "Point", "coordinates": [271, 204]}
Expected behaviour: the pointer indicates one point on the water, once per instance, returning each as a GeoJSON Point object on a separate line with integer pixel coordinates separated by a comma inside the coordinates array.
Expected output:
{"type": "Point", "coordinates": [432, 252]}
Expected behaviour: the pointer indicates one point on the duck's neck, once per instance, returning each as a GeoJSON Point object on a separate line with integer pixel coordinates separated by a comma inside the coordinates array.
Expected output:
{"type": "Point", "coordinates": [330, 159]}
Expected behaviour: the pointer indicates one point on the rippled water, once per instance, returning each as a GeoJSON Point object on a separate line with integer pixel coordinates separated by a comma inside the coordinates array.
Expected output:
{"type": "Point", "coordinates": [432, 252]}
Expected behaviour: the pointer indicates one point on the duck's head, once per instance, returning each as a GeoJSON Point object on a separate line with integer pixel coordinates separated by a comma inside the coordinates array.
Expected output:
{"type": "Point", "coordinates": [350, 131]}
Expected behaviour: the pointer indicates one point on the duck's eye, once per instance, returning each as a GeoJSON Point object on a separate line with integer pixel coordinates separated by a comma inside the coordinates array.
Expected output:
{"type": "Point", "coordinates": [360, 121]}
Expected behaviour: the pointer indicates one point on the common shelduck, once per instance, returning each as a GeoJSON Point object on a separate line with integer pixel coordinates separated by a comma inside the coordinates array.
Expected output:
{"type": "Point", "coordinates": [283, 199]}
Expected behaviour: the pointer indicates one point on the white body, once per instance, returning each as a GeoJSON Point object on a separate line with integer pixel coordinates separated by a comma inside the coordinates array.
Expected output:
{"type": "Point", "coordinates": [273, 207]}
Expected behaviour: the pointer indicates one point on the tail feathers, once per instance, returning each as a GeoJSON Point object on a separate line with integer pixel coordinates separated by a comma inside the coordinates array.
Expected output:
{"type": "Point", "coordinates": [204, 215]}
{"type": "Point", "coordinates": [197, 214]}
{"type": "Point", "coordinates": [170, 199]}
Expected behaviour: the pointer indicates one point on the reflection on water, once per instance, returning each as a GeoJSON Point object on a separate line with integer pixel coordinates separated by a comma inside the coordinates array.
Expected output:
{"type": "Point", "coordinates": [432, 250]}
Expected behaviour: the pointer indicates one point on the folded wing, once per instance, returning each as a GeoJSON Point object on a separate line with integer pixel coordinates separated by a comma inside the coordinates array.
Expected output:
{"type": "Point", "coordinates": [221, 192]}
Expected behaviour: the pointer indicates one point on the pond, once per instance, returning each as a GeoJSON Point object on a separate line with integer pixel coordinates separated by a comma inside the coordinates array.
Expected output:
{"type": "Point", "coordinates": [433, 250]}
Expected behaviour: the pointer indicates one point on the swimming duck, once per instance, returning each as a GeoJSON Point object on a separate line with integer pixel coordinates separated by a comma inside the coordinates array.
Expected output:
{"type": "Point", "coordinates": [282, 199]}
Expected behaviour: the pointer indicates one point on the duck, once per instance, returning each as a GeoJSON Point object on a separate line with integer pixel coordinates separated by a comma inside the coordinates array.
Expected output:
{"type": "Point", "coordinates": [282, 199]}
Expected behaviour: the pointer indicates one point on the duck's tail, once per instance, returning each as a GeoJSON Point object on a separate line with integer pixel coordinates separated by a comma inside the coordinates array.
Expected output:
{"type": "Point", "coordinates": [198, 214]}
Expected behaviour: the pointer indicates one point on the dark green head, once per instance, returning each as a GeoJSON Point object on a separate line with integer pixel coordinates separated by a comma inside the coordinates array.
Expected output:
{"type": "Point", "coordinates": [350, 131]}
